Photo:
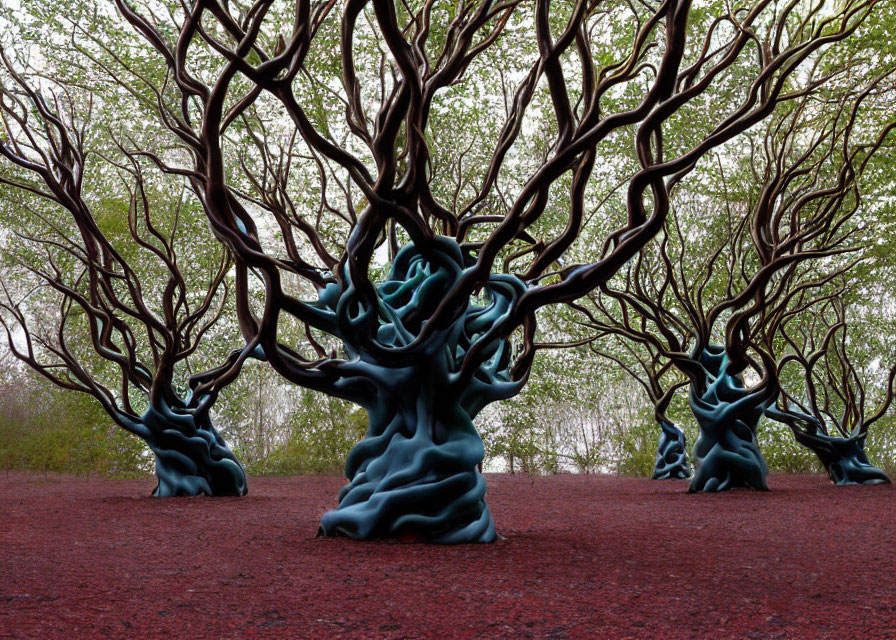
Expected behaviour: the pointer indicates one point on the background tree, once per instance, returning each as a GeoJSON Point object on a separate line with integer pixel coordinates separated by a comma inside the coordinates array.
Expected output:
{"type": "Point", "coordinates": [800, 213]}
{"type": "Point", "coordinates": [576, 414]}
{"type": "Point", "coordinates": [829, 414]}
{"type": "Point", "coordinates": [142, 323]}
{"type": "Point", "coordinates": [660, 380]}
{"type": "Point", "coordinates": [278, 429]}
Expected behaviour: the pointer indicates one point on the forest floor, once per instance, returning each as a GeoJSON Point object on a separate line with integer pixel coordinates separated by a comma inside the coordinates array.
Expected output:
{"type": "Point", "coordinates": [584, 557]}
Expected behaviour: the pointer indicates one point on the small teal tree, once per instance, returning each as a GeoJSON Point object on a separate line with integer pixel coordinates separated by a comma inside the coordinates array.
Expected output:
{"type": "Point", "coordinates": [660, 380]}
{"type": "Point", "coordinates": [829, 415]}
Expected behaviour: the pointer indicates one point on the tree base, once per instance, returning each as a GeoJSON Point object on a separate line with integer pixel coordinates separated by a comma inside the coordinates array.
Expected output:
{"type": "Point", "coordinates": [450, 510]}
{"type": "Point", "coordinates": [847, 472]}
{"type": "Point", "coordinates": [726, 455]}
{"type": "Point", "coordinates": [340, 523]}
{"type": "Point", "coordinates": [844, 459]}
{"type": "Point", "coordinates": [721, 469]}
{"type": "Point", "coordinates": [197, 472]}
{"type": "Point", "coordinates": [417, 488]}
{"type": "Point", "coordinates": [403, 482]}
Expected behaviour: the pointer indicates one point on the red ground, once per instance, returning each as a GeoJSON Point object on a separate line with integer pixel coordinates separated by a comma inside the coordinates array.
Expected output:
{"type": "Point", "coordinates": [585, 557]}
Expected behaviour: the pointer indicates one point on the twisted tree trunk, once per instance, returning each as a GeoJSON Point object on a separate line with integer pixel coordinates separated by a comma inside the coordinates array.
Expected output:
{"type": "Point", "coordinates": [416, 471]}
{"type": "Point", "coordinates": [726, 454]}
{"type": "Point", "coordinates": [191, 456]}
{"type": "Point", "coordinates": [671, 454]}
{"type": "Point", "coordinates": [843, 458]}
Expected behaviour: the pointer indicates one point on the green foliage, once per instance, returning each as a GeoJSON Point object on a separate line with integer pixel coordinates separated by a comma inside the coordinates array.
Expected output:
{"type": "Point", "coordinates": [782, 453]}
{"type": "Point", "coordinates": [635, 449]}
{"type": "Point", "coordinates": [278, 429]}
{"type": "Point", "coordinates": [43, 428]}
{"type": "Point", "coordinates": [319, 435]}
{"type": "Point", "coordinates": [575, 414]}
{"type": "Point", "coordinates": [881, 445]}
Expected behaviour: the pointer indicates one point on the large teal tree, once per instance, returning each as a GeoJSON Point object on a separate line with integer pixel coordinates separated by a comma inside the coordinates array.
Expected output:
{"type": "Point", "coordinates": [419, 302]}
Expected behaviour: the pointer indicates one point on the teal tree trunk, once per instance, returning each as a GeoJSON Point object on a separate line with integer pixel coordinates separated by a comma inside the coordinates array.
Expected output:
{"type": "Point", "coordinates": [191, 456]}
{"type": "Point", "coordinates": [415, 472]}
{"type": "Point", "coordinates": [671, 454]}
{"type": "Point", "coordinates": [726, 454]}
{"type": "Point", "coordinates": [844, 459]}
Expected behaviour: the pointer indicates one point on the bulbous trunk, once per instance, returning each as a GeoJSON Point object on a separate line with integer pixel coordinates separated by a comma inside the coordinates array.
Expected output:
{"type": "Point", "coordinates": [726, 454]}
{"type": "Point", "coordinates": [191, 456]}
{"type": "Point", "coordinates": [415, 473]}
{"type": "Point", "coordinates": [843, 458]}
{"type": "Point", "coordinates": [671, 454]}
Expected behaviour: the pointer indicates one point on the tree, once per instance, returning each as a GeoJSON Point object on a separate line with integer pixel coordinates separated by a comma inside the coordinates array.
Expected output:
{"type": "Point", "coordinates": [573, 414]}
{"type": "Point", "coordinates": [141, 322]}
{"type": "Point", "coordinates": [829, 416]}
